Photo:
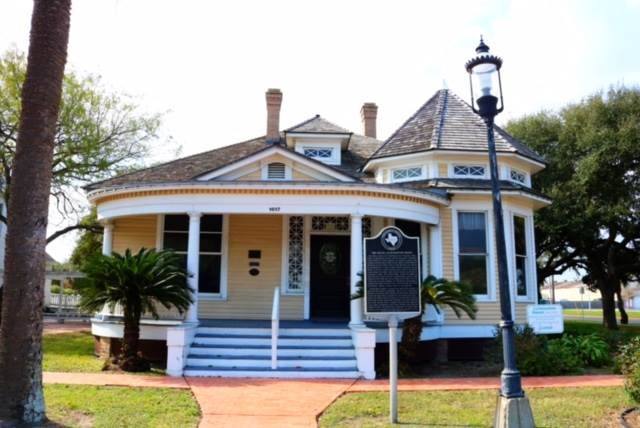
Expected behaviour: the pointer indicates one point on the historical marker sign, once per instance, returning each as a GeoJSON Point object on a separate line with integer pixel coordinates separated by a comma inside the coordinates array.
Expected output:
{"type": "Point", "coordinates": [392, 274]}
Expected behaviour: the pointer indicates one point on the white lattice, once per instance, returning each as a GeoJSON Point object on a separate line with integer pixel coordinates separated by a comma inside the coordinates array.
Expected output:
{"type": "Point", "coordinates": [296, 252]}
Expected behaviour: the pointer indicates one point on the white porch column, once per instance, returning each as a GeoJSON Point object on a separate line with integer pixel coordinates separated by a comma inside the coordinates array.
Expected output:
{"type": "Point", "coordinates": [193, 262]}
{"type": "Point", "coordinates": [107, 238]}
{"type": "Point", "coordinates": [435, 251]}
{"type": "Point", "coordinates": [356, 267]}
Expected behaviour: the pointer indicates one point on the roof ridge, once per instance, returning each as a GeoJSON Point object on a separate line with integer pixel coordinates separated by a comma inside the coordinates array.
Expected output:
{"type": "Point", "coordinates": [404, 124]}
{"type": "Point", "coordinates": [441, 111]}
{"type": "Point", "coordinates": [304, 122]}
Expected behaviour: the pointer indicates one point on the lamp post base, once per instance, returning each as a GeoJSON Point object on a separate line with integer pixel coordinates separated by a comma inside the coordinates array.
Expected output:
{"type": "Point", "coordinates": [513, 413]}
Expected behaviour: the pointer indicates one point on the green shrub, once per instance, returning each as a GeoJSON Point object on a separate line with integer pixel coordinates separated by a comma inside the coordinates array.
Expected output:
{"type": "Point", "coordinates": [55, 289]}
{"type": "Point", "coordinates": [538, 356]}
{"type": "Point", "coordinates": [628, 362]}
{"type": "Point", "coordinates": [591, 349]}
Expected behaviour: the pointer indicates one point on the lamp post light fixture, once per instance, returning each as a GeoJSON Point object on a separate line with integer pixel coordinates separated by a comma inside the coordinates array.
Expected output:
{"type": "Point", "coordinates": [486, 101]}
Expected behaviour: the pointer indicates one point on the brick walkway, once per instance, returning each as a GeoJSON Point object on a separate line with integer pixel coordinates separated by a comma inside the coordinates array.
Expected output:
{"type": "Point", "coordinates": [264, 402]}
{"type": "Point", "coordinates": [268, 403]}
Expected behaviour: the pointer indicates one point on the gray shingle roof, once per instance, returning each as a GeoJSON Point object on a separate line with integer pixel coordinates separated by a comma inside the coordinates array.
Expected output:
{"type": "Point", "coordinates": [188, 168]}
{"type": "Point", "coordinates": [446, 122]}
{"type": "Point", "coordinates": [317, 125]}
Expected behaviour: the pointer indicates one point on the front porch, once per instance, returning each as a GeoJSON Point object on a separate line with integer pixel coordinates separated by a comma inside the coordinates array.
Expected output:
{"type": "Point", "coordinates": [307, 247]}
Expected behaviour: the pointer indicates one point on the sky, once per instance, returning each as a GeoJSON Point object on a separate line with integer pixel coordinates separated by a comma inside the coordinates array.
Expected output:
{"type": "Point", "coordinates": [206, 65]}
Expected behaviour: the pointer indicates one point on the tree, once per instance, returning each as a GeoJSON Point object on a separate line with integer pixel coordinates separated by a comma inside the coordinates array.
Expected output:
{"type": "Point", "coordinates": [137, 282]}
{"type": "Point", "coordinates": [89, 243]}
{"type": "Point", "coordinates": [436, 292]}
{"type": "Point", "coordinates": [98, 134]}
{"type": "Point", "coordinates": [21, 396]}
{"type": "Point", "coordinates": [593, 150]}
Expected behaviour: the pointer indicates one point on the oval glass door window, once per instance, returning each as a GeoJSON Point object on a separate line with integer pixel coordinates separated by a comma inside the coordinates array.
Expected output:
{"type": "Point", "coordinates": [330, 258]}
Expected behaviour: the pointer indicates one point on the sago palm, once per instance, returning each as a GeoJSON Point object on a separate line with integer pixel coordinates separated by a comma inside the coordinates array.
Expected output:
{"type": "Point", "coordinates": [138, 283]}
{"type": "Point", "coordinates": [436, 292]}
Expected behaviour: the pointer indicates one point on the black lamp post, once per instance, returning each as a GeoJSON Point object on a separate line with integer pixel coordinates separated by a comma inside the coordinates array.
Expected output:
{"type": "Point", "coordinates": [484, 79]}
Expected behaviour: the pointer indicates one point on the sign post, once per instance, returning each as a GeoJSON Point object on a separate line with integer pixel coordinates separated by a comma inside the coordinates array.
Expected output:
{"type": "Point", "coordinates": [392, 291]}
{"type": "Point", "coordinates": [393, 369]}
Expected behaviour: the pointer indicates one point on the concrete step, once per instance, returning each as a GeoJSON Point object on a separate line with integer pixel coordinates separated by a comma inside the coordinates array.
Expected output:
{"type": "Point", "coordinates": [289, 340]}
{"type": "Point", "coordinates": [260, 331]}
{"type": "Point", "coordinates": [265, 350]}
{"type": "Point", "coordinates": [243, 362]}
{"type": "Point", "coordinates": [319, 372]}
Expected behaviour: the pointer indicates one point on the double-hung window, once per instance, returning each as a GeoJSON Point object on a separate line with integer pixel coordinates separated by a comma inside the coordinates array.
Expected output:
{"type": "Point", "coordinates": [520, 247]}
{"type": "Point", "coordinates": [176, 237]}
{"type": "Point", "coordinates": [472, 251]}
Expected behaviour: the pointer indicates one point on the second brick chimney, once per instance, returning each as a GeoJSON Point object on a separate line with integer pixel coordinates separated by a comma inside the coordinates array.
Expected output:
{"type": "Point", "coordinates": [274, 101]}
{"type": "Point", "coordinates": [369, 113]}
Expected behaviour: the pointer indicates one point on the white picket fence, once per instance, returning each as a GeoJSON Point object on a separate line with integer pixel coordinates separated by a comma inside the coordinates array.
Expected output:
{"type": "Point", "coordinates": [64, 300]}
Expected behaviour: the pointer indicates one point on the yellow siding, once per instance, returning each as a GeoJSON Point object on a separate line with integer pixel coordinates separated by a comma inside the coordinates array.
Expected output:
{"type": "Point", "coordinates": [134, 233]}
{"type": "Point", "coordinates": [250, 297]}
{"type": "Point", "coordinates": [301, 176]}
{"type": "Point", "coordinates": [443, 170]}
{"type": "Point", "coordinates": [252, 176]}
{"type": "Point", "coordinates": [447, 242]}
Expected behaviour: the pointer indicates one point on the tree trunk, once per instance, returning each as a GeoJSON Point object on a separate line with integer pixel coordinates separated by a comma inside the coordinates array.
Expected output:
{"type": "Point", "coordinates": [411, 332]}
{"type": "Point", "coordinates": [624, 318]}
{"type": "Point", "coordinates": [21, 397]}
{"type": "Point", "coordinates": [130, 360]}
{"type": "Point", "coordinates": [608, 306]}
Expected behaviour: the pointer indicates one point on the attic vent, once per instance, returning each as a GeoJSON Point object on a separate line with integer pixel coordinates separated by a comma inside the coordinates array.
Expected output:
{"type": "Point", "coordinates": [276, 171]}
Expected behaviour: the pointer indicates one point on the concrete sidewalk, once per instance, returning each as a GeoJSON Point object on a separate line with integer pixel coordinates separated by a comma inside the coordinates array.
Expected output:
{"type": "Point", "coordinates": [226, 402]}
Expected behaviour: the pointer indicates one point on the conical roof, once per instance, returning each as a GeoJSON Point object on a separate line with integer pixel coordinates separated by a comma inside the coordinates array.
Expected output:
{"type": "Point", "coordinates": [446, 122]}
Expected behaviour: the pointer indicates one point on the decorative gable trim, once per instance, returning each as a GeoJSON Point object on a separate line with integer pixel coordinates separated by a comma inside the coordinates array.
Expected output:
{"type": "Point", "coordinates": [262, 155]}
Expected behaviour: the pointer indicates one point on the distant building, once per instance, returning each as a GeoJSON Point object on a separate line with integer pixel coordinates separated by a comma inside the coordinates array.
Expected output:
{"type": "Point", "coordinates": [572, 294]}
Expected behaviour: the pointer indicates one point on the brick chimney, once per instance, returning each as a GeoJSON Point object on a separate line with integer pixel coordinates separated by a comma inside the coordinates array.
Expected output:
{"type": "Point", "coordinates": [274, 101]}
{"type": "Point", "coordinates": [369, 113]}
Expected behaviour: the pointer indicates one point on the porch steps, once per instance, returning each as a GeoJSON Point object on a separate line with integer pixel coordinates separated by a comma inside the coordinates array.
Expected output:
{"type": "Point", "coordinates": [246, 352]}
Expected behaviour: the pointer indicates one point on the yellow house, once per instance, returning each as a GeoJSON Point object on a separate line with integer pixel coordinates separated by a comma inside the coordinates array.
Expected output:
{"type": "Point", "coordinates": [272, 230]}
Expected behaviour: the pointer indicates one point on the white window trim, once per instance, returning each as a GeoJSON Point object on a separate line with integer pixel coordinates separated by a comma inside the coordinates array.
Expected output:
{"type": "Point", "coordinates": [423, 173]}
{"type": "Point", "coordinates": [527, 177]}
{"type": "Point", "coordinates": [491, 274]}
{"type": "Point", "coordinates": [224, 256]}
{"type": "Point", "coordinates": [451, 165]}
{"type": "Point", "coordinates": [287, 171]}
{"type": "Point", "coordinates": [335, 147]}
{"type": "Point", "coordinates": [530, 266]}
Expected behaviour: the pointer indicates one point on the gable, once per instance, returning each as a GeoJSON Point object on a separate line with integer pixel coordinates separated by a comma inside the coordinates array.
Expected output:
{"type": "Point", "coordinates": [296, 166]}
{"type": "Point", "coordinates": [257, 171]}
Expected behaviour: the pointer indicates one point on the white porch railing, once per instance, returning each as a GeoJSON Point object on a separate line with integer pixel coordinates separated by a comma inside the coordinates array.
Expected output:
{"type": "Point", "coordinates": [275, 325]}
{"type": "Point", "coordinates": [64, 300]}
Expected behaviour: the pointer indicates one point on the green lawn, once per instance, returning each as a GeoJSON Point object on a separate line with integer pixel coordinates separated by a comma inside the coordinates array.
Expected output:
{"type": "Point", "coordinates": [70, 352]}
{"type": "Point", "coordinates": [552, 407]}
{"type": "Point", "coordinates": [104, 406]}
{"type": "Point", "coordinates": [597, 313]}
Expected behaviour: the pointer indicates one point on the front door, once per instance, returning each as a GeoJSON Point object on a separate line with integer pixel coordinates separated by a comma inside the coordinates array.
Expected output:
{"type": "Point", "coordinates": [330, 273]}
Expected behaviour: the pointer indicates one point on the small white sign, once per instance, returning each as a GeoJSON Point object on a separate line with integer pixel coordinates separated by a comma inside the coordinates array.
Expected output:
{"type": "Point", "coordinates": [545, 319]}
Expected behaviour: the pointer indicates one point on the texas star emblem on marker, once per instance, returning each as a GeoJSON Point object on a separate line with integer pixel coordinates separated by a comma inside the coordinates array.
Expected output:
{"type": "Point", "coordinates": [391, 239]}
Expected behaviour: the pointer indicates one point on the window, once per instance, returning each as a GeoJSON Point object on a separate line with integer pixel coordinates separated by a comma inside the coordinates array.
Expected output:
{"type": "Point", "coordinates": [406, 174]}
{"type": "Point", "coordinates": [276, 171]}
{"type": "Point", "coordinates": [472, 251]}
{"type": "Point", "coordinates": [176, 237]}
{"type": "Point", "coordinates": [318, 152]}
{"type": "Point", "coordinates": [520, 246]}
{"type": "Point", "coordinates": [518, 176]}
{"type": "Point", "coordinates": [477, 171]}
